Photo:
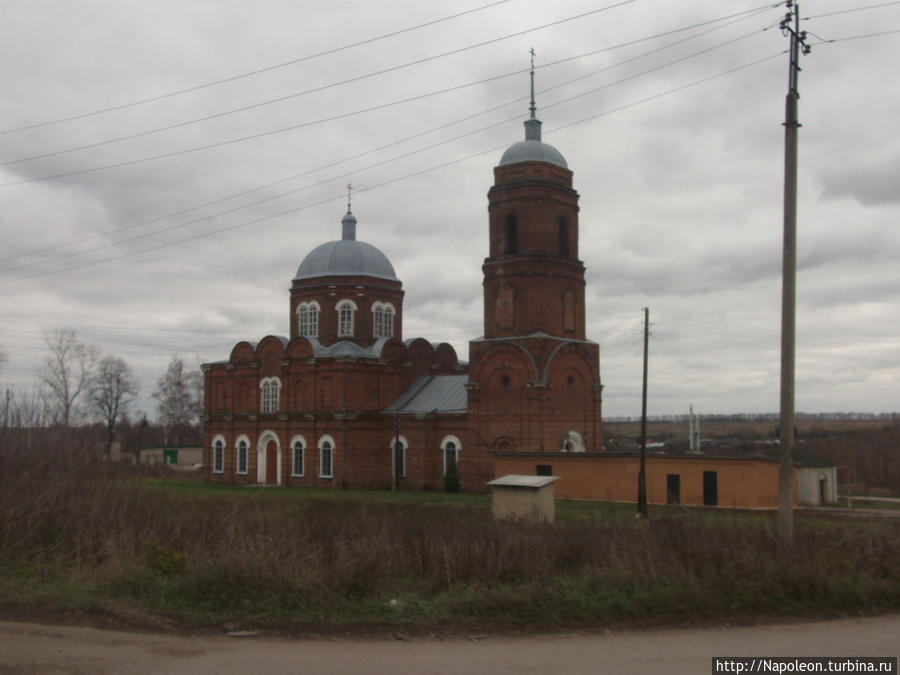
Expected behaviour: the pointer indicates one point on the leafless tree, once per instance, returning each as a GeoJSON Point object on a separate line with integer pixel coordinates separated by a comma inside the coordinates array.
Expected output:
{"type": "Point", "coordinates": [23, 409]}
{"type": "Point", "coordinates": [178, 398]}
{"type": "Point", "coordinates": [113, 388]}
{"type": "Point", "coordinates": [66, 374]}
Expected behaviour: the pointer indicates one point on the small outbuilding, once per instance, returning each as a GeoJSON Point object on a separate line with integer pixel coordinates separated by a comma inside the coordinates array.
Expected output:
{"type": "Point", "coordinates": [524, 497]}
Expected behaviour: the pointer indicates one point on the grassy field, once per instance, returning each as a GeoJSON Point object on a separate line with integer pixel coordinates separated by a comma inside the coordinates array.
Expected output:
{"type": "Point", "coordinates": [97, 538]}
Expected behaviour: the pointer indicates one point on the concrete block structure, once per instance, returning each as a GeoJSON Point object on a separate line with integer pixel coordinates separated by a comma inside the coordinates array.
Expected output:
{"type": "Point", "coordinates": [520, 497]}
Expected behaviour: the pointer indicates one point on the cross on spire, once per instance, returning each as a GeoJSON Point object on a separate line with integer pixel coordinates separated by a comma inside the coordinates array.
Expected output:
{"type": "Point", "coordinates": [349, 191]}
{"type": "Point", "coordinates": [532, 107]}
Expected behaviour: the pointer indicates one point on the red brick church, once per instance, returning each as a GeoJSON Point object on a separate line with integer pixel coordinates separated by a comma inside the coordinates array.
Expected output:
{"type": "Point", "coordinates": [346, 400]}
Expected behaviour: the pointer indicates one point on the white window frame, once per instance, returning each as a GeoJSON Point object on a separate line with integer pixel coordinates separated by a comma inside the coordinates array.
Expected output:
{"type": "Point", "coordinates": [458, 448]}
{"type": "Point", "coordinates": [218, 458]}
{"type": "Point", "coordinates": [323, 441]}
{"type": "Point", "coordinates": [294, 441]}
{"type": "Point", "coordinates": [269, 403]}
{"type": "Point", "coordinates": [383, 314]}
{"type": "Point", "coordinates": [237, 455]}
{"type": "Point", "coordinates": [403, 442]}
{"type": "Point", "coordinates": [346, 324]}
{"type": "Point", "coordinates": [308, 319]}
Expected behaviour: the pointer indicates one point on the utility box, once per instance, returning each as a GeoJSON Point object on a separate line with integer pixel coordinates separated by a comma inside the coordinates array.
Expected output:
{"type": "Point", "coordinates": [524, 497]}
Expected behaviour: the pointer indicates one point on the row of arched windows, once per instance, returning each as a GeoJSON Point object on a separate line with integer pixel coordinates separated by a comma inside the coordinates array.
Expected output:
{"type": "Point", "coordinates": [450, 448]}
{"type": "Point", "coordinates": [382, 318]}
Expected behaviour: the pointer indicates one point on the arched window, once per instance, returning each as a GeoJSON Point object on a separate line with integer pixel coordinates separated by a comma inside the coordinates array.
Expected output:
{"type": "Point", "coordinates": [512, 234]}
{"type": "Point", "coordinates": [218, 455]}
{"type": "Point", "coordinates": [383, 319]}
{"type": "Point", "coordinates": [450, 447]}
{"type": "Point", "coordinates": [271, 389]}
{"type": "Point", "coordinates": [398, 446]}
{"type": "Point", "coordinates": [308, 319]}
{"type": "Point", "coordinates": [326, 449]}
{"type": "Point", "coordinates": [346, 310]}
{"type": "Point", "coordinates": [297, 447]}
{"type": "Point", "coordinates": [241, 456]}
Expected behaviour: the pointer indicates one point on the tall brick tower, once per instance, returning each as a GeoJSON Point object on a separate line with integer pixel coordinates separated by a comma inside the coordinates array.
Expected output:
{"type": "Point", "coordinates": [534, 382]}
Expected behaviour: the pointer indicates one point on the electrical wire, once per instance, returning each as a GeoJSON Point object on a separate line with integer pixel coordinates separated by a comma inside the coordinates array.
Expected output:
{"type": "Point", "coordinates": [287, 97]}
{"type": "Point", "coordinates": [385, 161]}
{"type": "Point", "coordinates": [251, 73]}
{"type": "Point", "coordinates": [386, 182]}
{"type": "Point", "coordinates": [743, 15]}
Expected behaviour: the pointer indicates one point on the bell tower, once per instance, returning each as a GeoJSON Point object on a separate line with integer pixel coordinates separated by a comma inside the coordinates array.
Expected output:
{"type": "Point", "coordinates": [533, 279]}
{"type": "Point", "coordinates": [534, 379]}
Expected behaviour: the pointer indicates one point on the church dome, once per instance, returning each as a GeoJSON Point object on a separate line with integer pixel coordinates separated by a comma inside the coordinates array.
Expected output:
{"type": "Point", "coordinates": [532, 149]}
{"type": "Point", "coordinates": [346, 257]}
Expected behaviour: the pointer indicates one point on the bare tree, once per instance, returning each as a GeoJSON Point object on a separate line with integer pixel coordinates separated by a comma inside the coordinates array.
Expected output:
{"type": "Point", "coordinates": [66, 374]}
{"type": "Point", "coordinates": [177, 395]}
{"type": "Point", "coordinates": [112, 390]}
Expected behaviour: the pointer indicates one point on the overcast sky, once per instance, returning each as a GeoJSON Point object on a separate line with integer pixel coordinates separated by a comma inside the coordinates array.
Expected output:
{"type": "Point", "coordinates": [167, 165]}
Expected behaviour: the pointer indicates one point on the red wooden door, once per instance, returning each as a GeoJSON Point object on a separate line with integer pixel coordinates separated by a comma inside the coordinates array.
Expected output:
{"type": "Point", "coordinates": [271, 463]}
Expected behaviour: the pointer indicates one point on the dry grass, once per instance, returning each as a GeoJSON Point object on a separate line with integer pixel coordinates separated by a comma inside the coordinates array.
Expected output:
{"type": "Point", "coordinates": [74, 532]}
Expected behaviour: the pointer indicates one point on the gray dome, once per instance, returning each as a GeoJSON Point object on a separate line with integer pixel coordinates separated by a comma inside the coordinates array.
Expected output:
{"type": "Point", "coordinates": [533, 151]}
{"type": "Point", "coordinates": [346, 257]}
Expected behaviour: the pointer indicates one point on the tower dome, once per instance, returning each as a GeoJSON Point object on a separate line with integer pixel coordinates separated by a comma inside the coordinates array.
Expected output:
{"type": "Point", "coordinates": [532, 149]}
{"type": "Point", "coordinates": [346, 257]}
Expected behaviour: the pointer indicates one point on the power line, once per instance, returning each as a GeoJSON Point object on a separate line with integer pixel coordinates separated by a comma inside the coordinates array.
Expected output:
{"type": "Point", "coordinates": [293, 127]}
{"type": "Point", "coordinates": [258, 71]}
{"type": "Point", "coordinates": [856, 37]}
{"type": "Point", "coordinates": [850, 11]}
{"type": "Point", "coordinates": [384, 183]}
{"type": "Point", "coordinates": [382, 162]}
{"type": "Point", "coordinates": [281, 99]}
{"type": "Point", "coordinates": [742, 15]}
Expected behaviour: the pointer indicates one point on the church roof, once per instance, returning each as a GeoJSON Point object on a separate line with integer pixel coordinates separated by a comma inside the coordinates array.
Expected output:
{"type": "Point", "coordinates": [433, 394]}
{"type": "Point", "coordinates": [346, 257]}
{"type": "Point", "coordinates": [347, 349]}
{"type": "Point", "coordinates": [533, 149]}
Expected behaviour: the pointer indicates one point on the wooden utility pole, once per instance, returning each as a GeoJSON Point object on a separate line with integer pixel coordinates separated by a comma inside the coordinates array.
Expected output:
{"type": "Point", "coordinates": [642, 474]}
{"type": "Point", "coordinates": [397, 452]}
{"type": "Point", "coordinates": [790, 25]}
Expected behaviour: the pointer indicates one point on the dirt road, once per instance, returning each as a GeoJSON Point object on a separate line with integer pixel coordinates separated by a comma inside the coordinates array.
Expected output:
{"type": "Point", "coordinates": [34, 648]}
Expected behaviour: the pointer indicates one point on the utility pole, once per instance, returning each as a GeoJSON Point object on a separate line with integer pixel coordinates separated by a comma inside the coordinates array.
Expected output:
{"type": "Point", "coordinates": [642, 474]}
{"type": "Point", "coordinates": [790, 26]}
{"type": "Point", "coordinates": [397, 455]}
{"type": "Point", "coordinates": [344, 425]}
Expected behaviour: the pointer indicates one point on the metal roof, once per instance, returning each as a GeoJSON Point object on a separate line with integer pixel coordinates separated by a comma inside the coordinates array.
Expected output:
{"type": "Point", "coordinates": [518, 480]}
{"type": "Point", "coordinates": [433, 394]}
{"type": "Point", "coordinates": [347, 349]}
{"type": "Point", "coordinates": [346, 257]}
{"type": "Point", "coordinates": [533, 151]}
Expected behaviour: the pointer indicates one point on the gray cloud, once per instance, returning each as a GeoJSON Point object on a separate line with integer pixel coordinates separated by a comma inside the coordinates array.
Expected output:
{"type": "Point", "coordinates": [680, 195]}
